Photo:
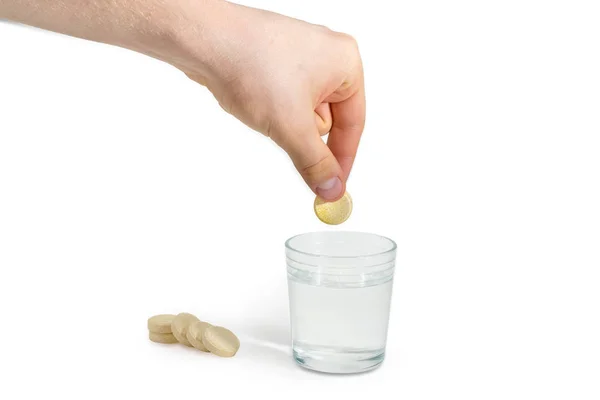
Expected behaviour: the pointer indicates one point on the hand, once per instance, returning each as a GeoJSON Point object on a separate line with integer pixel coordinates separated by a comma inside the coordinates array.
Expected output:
{"type": "Point", "coordinates": [288, 79]}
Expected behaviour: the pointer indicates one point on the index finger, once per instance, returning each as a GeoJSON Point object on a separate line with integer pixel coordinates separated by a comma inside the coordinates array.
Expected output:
{"type": "Point", "coordinates": [347, 128]}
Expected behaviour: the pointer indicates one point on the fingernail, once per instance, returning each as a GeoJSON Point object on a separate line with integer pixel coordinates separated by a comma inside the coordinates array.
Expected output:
{"type": "Point", "coordinates": [330, 189]}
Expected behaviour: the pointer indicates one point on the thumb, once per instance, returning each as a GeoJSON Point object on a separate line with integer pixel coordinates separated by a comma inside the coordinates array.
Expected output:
{"type": "Point", "coordinates": [314, 161]}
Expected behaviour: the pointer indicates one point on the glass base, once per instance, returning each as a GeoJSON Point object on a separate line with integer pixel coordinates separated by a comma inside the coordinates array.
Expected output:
{"type": "Point", "coordinates": [338, 361]}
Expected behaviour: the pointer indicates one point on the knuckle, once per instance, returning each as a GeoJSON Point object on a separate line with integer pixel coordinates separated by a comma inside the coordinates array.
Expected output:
{"type": "Point", "coordinates": [349, 41]}
{"type": "Point", "coordinates": [350, 53]}
{"type": "Point", "coordinates": [324, 126]}
{"type": "Point", "coordinates": [317, 170]}
{"type": "Point", "coordinates": [324, 28]}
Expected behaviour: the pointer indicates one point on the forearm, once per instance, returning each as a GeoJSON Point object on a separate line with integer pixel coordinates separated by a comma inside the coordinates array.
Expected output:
{"type": "Point", "coordinates": [158, 28]}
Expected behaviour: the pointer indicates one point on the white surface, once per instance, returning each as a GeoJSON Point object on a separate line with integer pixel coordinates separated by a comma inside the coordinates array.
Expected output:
{"type": "Point", "coordinates": [125, 191]}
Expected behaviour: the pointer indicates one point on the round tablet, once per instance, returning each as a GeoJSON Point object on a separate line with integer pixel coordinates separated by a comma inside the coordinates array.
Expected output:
{"type": "Point", "coordinates": [220, 341]}
{"type": "Point", "coordinates": [195, 332]}
{"type": "Point", "coordinates": [180, 325]}
{"type": "Point", "coordinates": [160, 323]}
{"type": "Point", "coordinates": [336, 212]}
{"type": "Point", "coordinates": [165, 338]}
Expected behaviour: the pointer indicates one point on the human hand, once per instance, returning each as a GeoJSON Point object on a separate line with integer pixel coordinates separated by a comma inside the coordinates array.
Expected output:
{"type": "Point", "coordinates": [288, 79]}
{"type": "Point", "coordinates": [285, 78]}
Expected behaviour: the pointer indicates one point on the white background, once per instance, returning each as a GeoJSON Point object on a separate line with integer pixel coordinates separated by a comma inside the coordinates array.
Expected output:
{"type": "Point", "coordinates": [125, 191]}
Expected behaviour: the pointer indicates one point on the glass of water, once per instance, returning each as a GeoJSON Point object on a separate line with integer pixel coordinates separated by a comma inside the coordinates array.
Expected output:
{"type": "Point", "coordinates": [340, 287]}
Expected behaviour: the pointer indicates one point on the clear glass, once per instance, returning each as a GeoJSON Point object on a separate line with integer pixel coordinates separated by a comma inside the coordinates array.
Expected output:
{"type": "Point", "coordinates": [340, 287]}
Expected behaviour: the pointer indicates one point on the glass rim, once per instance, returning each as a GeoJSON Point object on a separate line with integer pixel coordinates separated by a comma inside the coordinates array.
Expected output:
{"type": "Point", "coordinates": [392, 248]}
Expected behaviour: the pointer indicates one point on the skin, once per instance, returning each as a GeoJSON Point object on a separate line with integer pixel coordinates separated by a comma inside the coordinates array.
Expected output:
{"type": "Point", "coordinates": [285, 78]}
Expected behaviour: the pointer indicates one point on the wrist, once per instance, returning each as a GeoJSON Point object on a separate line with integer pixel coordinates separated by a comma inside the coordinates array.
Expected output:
{"type": "Point", "coordinates": [182, 34]}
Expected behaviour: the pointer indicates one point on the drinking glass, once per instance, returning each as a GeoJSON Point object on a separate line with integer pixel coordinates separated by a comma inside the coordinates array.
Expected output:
{"type": "Point", "coordinates": [340, 287]}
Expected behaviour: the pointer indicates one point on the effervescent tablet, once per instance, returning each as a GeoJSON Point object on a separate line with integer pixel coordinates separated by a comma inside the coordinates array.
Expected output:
{"type": "Point", "coordinates": [220, 341]}
{"type": "Point", "coordinates": [165, 338]}
{"type": "Point", "coordinates": [160, 323]}
{"type": "Point", "coordinates": [195, 332]}
{"type": "Point", "coordinates": [180, 326]}
{"type": "Point", "coordinates": [334, 212]}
